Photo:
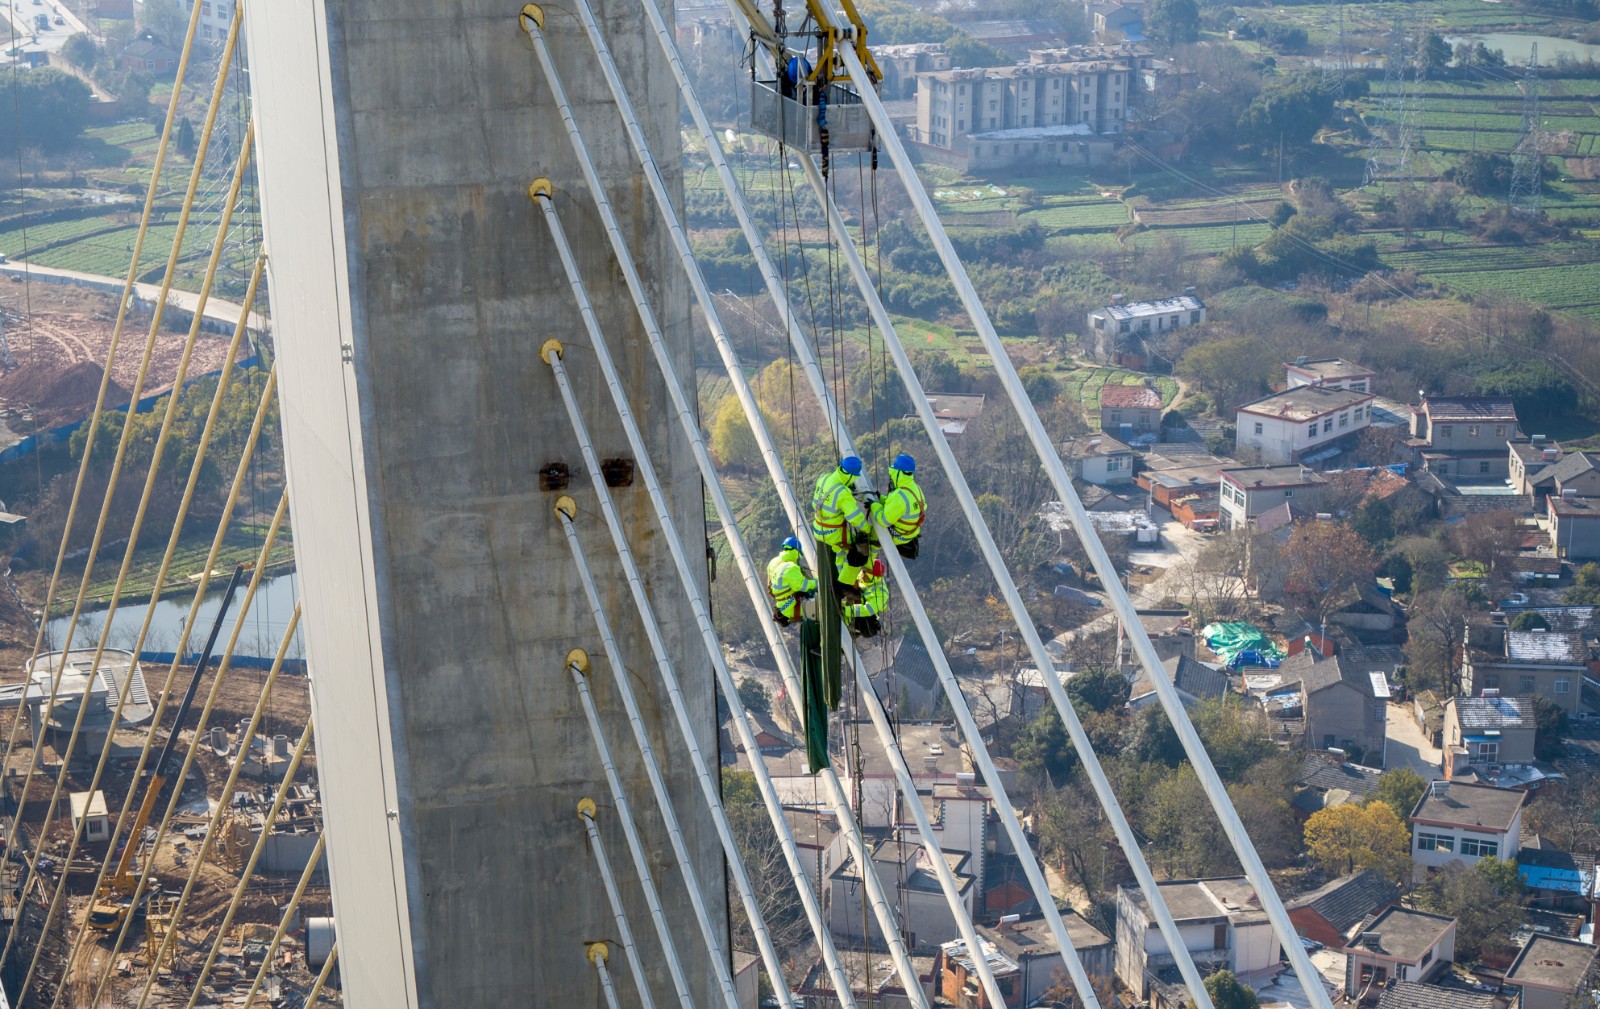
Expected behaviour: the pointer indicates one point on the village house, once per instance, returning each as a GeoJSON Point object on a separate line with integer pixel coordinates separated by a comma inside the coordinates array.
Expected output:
{"type": "Point", "coordinates": [1331, 913]}
{"type": "Point", "coordinates": [1463, 438]}
{"type": "Point", "coordinates": [1529, 466]}
{"type": "Point", "coordinates": [1574, 527]}
{"type": "Point", "coordinates": [1548, 663]}
{"type": "Point", "coordinates": [1300, 422]}
{"type": "Point", "coordinates": [1481, 732]}
{"type": "Point", "coordinates": [1099, 459]}
{"type": "Point", "coordinates": [1130, 410]}
{"type": "Point", "coordinates": [1399, 945]}
{"type": "Point", "coordinates": [1549, 970]}
{"type": "Point", "coordinates": [1221, 922]}
{"type": "Point", "coordinates": [1464, 822]}
{"type": "Point", "coordinates": [1121, 332]}
{"type": "Point", "coordinates": [818, 839]}
{"type": "Point", "coordinates": [909, 879]}
{"type": "Point", "coordinates": [1025, 959]}
{"type": "Point", "coordinates": [1249, 492]}
{"type": "Point", "coordinates": [1328, 779]}
{"type": "Point", "coordinates": [1344, 704]}
{"type": "Point", "coordinates": [146, 55]}
{"type": "Point", "coordinates": [901, 64]}
{"type": "Point", "coordinates": [1558, 880]}
{"type": "Point", "coordinates": [1194, 680]}
{"type": "Point", "coordinates": [955, 411]}
{"type": "Point", "coordinates": [1411, 995]}
{"type": "Point", "coordinates": [873, 981]}
{"type": "Point", "coordinates": [1329, 372]}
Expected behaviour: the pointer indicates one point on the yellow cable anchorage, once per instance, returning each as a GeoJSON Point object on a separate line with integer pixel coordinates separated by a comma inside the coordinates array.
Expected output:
{"type": "Point", "coordinates": [597, 952]}
{"type": "Point", "coordinates": [587, 808]}
{"type": "Point", "coordinates": [541, 187]}
{"type": "Point", "coordinates": [549, 347]}
{"type": "Point", "coordinates": [533, 13]}
{"type": "Point", "coordinates": [578, 659]}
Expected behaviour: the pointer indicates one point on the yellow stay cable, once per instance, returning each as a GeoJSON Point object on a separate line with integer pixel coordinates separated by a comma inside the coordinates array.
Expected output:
{"type": "Point", "coordinates": [288, 916]}
{"type": "Point", "coordinates": [122, 441]}
{"type": "Point", "coordinates": [199, 595]}
{"type": "Point", "coordinates": [111, 356]}
{"type": "Point", "coordinates": [130, 551]}
{"type": "Point", "coordinates": [194, 742]}
{"type": "Point", "coordinates": [214, 826]}
{"type": "Point", "coordinates": [322, 978]}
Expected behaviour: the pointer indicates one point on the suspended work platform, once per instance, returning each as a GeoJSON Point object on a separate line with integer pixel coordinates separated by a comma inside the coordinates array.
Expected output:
{"type": "Point", "coordinates": [794, 121]}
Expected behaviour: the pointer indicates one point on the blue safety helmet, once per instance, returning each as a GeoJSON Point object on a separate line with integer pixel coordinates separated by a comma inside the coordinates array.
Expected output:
{"type": "Point", "coordinates": [904, 463]}
{"type": "Point", "coordinates": [850, 464]}
{"type": "Point", "coordinates": [792, 543]}
{"type": "Point", "coordinates": [799, 69]}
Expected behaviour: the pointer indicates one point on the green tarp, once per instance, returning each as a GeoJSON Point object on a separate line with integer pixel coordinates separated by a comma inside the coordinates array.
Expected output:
{"type": "Point", "coordinates": [821, 656]}
{"type": "Point", "coordinates": [1229, 639]}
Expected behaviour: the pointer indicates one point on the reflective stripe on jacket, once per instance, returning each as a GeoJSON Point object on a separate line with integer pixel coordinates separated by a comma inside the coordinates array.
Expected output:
{"type": "Point", "coordinates": [786, 579]}
{"type": "Point", "coordinates": [833, 507]}
{"type": "Point", "coordinates": [874, 599]}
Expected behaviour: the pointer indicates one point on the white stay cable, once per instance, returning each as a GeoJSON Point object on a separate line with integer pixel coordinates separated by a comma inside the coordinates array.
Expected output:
{"type": "Point", "coordinates": [1254, 870]}
{"type": "Point", "coordinates": [761, 603]}
{"type": "Point", "coordinates": [597, 956]}
{"type": "Point", "coordinates": [586, 813]}
{"type": "Point", "coordinates": [962, 491]}
{"type": "Point", "coordinates": [710, 785]}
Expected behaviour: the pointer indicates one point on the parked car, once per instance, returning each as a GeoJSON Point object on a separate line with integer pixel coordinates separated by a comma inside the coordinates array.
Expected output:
{"type": "Point", "coordinates": [1517, 599]}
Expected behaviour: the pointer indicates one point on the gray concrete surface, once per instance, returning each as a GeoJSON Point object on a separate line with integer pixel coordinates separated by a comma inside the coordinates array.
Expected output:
{"type": "Point", "coordinates": [1408, 747]}
{"type": "Point", "coordinates": [412, 284]}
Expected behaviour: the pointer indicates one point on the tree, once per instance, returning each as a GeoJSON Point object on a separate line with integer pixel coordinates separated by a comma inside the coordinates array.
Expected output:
{"type": "Point", "coordinates": [1345, 839]}
{"type": "Point", "coordinates": [1228, 992]}
{"type": "Point", "coordinates": [1232, 370]}
{"type": "Point", "coordinates": [967, 52]}
{"type": "Point", "coordinates": [1153, 740]}
{"type": "Point", "coordinates": [1435, 624]}
{"type": "Point", "coordinates": [1485, 898]}
{"type": "Point", "coordinates": [1326, 561]}
{"type": "Point", "coordinates": [51, 108]}
{"type": "Point", "coordinates": [1045, 757]}
{"type": "Point", "coordinates": [1290, 113]}
{"type": "Point", "coordinates": [1436, 52]}
{"type": "Point", "coordinates": [1585, 589]}
{"type": "Point", "coordinates": [1173, 22]}
{"type": "Point", "coordinates": [732, 440]}
{"type": "Point", "coordinates": [763, 859]}
{"type": "Point", "coordinates": [1401, 788]}
{"type": "Point", "coordinates": [1481, 173]}
{"type": "Point", "coordinates": [80, 50]}
{"type": "Point", "coordinates": [1569, 819]}
{"type": "Point", "coordinates": [1488, 537]}
{"type": "Point", "coordinates": [1098, 689]}
{"type": "Point", "coordinates": [1186, 839]}
{"type": "Point", "coordinates": [1529, 620]}
{"type": "Point", "coordinates": [1549, 725]}
{"type": "Point", "coordinates": [165, 19]}
{"type": "Point", "coordinates": [754, 696]}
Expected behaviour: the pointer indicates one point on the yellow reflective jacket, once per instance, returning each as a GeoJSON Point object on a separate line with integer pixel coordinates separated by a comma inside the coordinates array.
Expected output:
{"type": "Point", "coordinates": [902, 509]}
{"type": "Point", "coordinates": [874, 598]}
{"type": "Point", "coordinates": [786, 580]}
{"type": "Point", "coordinates": [834, 507]}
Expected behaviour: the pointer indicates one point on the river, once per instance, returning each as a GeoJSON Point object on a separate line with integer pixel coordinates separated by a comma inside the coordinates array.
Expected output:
{"type": "Point", "coordinates": [263, 626]}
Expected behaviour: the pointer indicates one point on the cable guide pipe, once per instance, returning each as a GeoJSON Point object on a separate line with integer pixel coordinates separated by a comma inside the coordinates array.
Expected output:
{"type": "Point", "coordinates": [586, 814]}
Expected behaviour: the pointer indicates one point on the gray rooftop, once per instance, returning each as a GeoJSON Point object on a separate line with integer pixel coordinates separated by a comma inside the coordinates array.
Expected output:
{"type": "Point", "coordinates": [1546, 647]}
{"type": "Point", "coordinates": [1327, 369]}
{"type": "Point", "coordinates": [1445, 409]}
{"type": "Point", "coordinates": [1304, 402]}
{"type": "Point", "coordinates": [1232, 898]}
{"type": "Point", "coordinates": [1033, 938]}
{"type": "Point", "coordinates": [1411, 995]}
{"type": "Point", "coordinates": [1465, 805]}
{"type": "Point", "coordinates": [1166, 306]}
{"type": "Point", "coordinates": [1405, 934]}
{"type": "Point", "coordinates": [1272, 476]}
{"type": "Point", "coordinates": [1503, 713]}
{"type": "Point", "coordinates": [1347, 901]}
{"type": "Point", "coordinates": [1549, 962]}
{"type": "Point", "coordinates": [1571, 466]}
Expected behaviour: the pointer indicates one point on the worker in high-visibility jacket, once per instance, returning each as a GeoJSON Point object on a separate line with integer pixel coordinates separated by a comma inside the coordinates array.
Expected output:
{"type": "Point", "coordinates": [788, 583]}
{"type": "Point", "coordinates": [839, 522]}
{"type": "Point", "coordinates": [902, 509]}
{"type": "Point", "coordinates": [865, 616]}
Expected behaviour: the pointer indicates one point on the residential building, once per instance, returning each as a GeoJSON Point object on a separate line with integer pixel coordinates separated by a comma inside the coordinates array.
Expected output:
{"type": "Point", "coordinates": [1329, 372]}
{"type": "Point", "coordinates": [1300, 422]}
{"type": "Point", "coordinates": [1119, 332]}
{"type": "Point", "coordinates": [1194, 681]}
{"type": "Point", "coordinates": [1099, 459]}
{"type": "Point", "coordinates": [1574, 475]}
{"type": "Point", "coordinates": [1464, 437]}
{"type": "Point", "coordinates": [1221, 922]}
{"type": "Point", "coordinates": [908, 877]}
{"type": "Point", "coordinates": [1113, 18]}
{"type": "Point", "coordinates": [1462, 822]}
{"type": "Point", "coordinates": [1170, 478]}
{"type": "Point", "coordinates": [1250, 491]}
{"type": "Point", "coordinates": [819, 840]}
{"type": "Point", "coordinates": [1486, 731]}
{"type": "Point", "coordinates": [1530, 466]}
{"type": "Point", "coordinates": [1344, 704]}
{"type": "Point", "coordinates": [1327, 779]}
{"type": "Point", "coordinates": [215, 17]}
{"type": "Point", "coordinates": [1574, 527]}
{"type": "Point", "coordinates": [1052, 113]}
{"type": "Point", "coordinates": [1549, 663]}
{"type": "Point", "coordinates": [1330, 913]}
{"type": "Point", "coordinates": [902, 63]}
{"type": "Point", "coordinates": [873, 981]}
{"type": "Point", "coordinates": [146, 55]}
{"type": "Point", "coordinates": [1549, 970]}
{"type": "Point", "coordinates": [1399, 945]}
{"type": "Point", "coordinates": [1411, 995]}
{"type": "Point", "coordinates": [955, 411]}
{"type": "Point", "coordinates": [1558, 880]}
{"type": "Point", "coordinates": [962, 816]}
{"type": "Point", "coordinates": [1130, 410]}
{"type": "Point", "coordinates": [1025, 959]}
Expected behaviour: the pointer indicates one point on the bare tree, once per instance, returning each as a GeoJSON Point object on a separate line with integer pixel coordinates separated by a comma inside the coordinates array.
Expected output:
{"type": "Point", "coordinates": [1325, 561]}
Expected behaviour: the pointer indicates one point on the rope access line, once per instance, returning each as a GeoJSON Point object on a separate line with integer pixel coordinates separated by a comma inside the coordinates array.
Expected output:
{"type": "Point", "coordinates": [887, 923]}
{"type": "Point", "coordinates": [128, 556]}
{"type": "Point", "coordinates": [578, 666]}
{"type": "Point", "coordinates": [709, 785]}
{"type": "Point", "coordinates": [204, 581]}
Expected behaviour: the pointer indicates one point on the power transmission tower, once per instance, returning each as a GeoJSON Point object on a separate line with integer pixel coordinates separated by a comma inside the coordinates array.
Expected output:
{"type": "Point", "coordinates": [1335, 58]}
{"type": "Point", "coordinates": [1393, 134]}
{"type": "Point", "coordinates": [1526, 161]}
{"type": "Point", "coordinates": [217, 175]}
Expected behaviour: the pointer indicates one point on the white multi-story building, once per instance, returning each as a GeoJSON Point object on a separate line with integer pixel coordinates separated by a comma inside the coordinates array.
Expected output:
{"type": "Point", "coordinates": [1287, 426]}
{"type": "Point", "coordinates": [1221, 922]}
{"type": "Point", "coordinates": [1329, 372]}
{"type": "Point", "coordinates": [1248, 492]}
{"type": "Point", "coordinates": [1456, 821]}
{"type": "Point", "coordinates": [215, 16]}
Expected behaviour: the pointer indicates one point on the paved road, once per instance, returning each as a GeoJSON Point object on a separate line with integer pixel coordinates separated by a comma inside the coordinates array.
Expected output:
{"type": "Point", "coordinates": [23, 27]}
{"type": "Point", "coordinates": [1408, 747]}
{"type": "Point", "coordinates": [225, 313]}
